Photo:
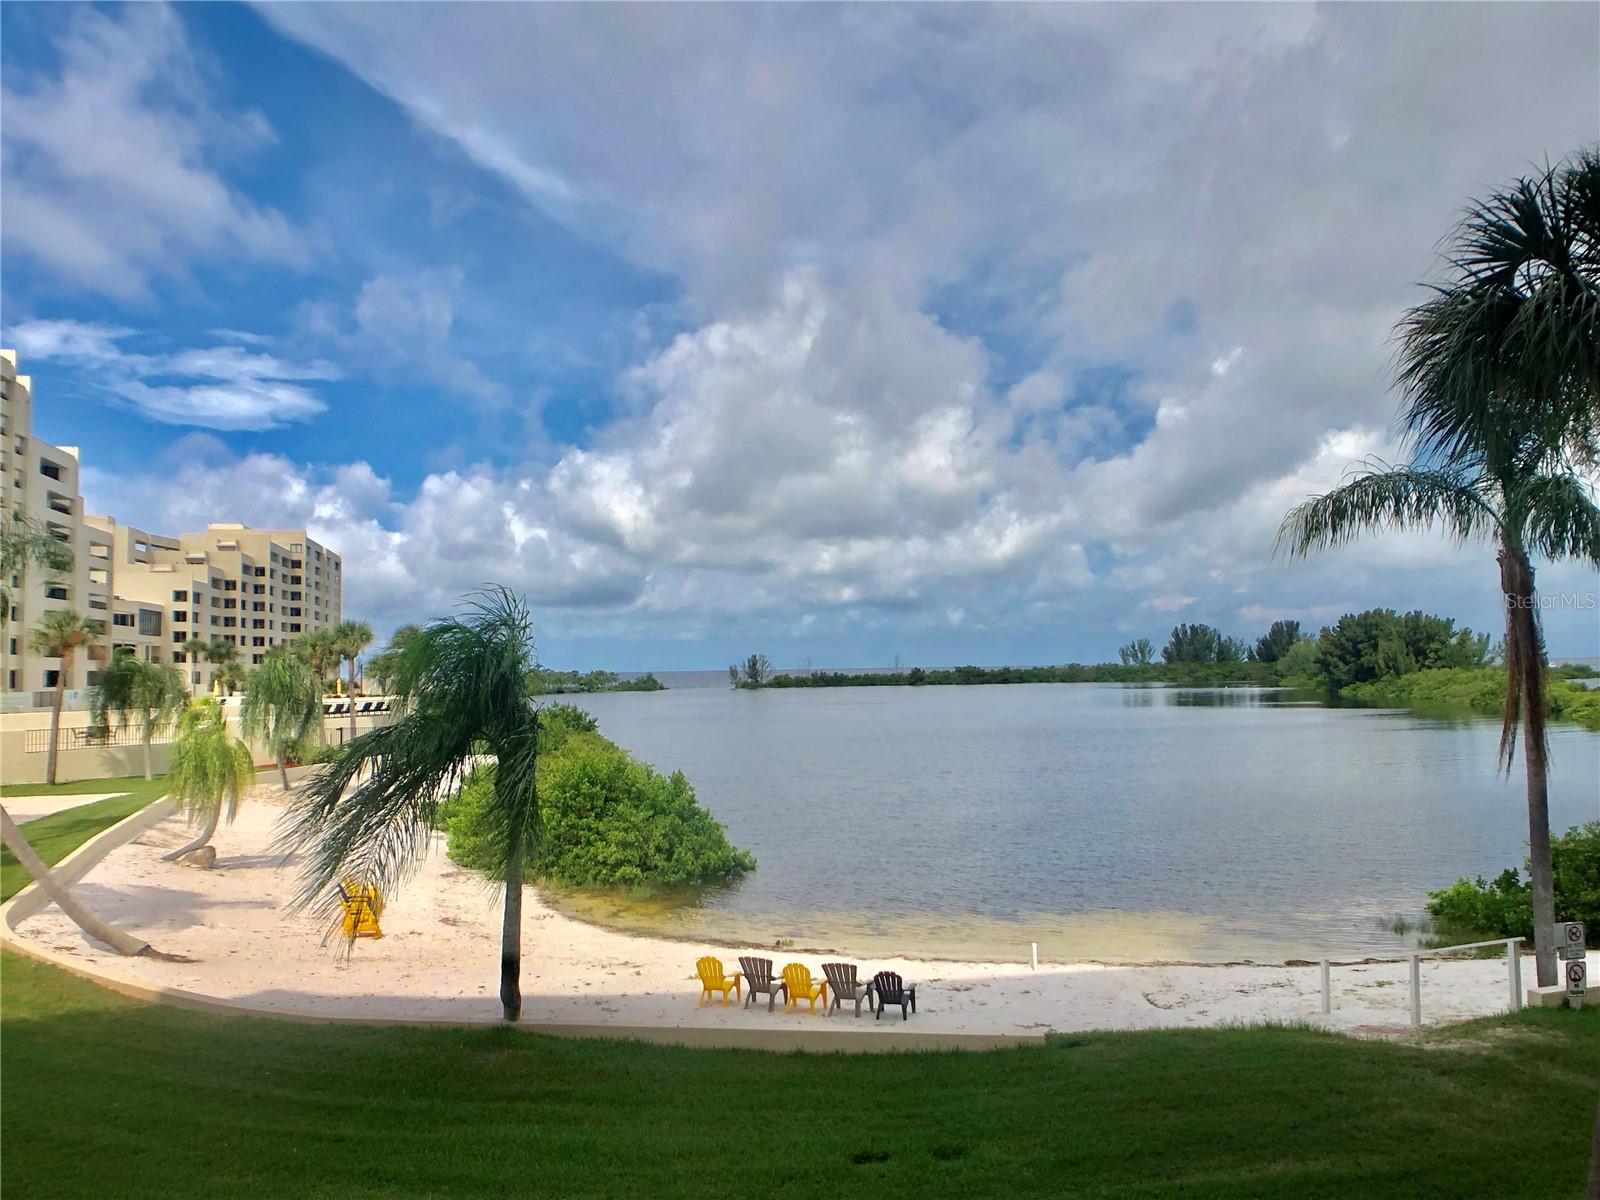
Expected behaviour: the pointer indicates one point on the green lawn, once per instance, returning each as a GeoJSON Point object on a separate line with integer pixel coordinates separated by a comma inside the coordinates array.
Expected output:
{"type": "Point", "coordinates": [56, 836]}
{"type": "Point", "coordinates": [109, 1097]}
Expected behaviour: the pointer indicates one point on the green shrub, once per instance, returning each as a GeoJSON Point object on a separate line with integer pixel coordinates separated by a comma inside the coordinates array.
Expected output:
{"type": "Point", "coordinates": [1503, 907]}
{"type": "Point", "coordinates": [607, 821]}
{"type": "Point", "coordinates": [1482, 689]}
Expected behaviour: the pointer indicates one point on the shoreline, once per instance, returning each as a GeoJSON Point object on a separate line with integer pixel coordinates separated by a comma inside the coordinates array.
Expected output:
{"type": "Point", "coordinates": [439, 960]}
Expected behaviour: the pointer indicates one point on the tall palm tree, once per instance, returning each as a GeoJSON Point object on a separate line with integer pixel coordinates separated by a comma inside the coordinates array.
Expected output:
{"type": "Point", "coordinates": [383, 665]}
{"type": "Point", "coordinates": [194, 649]}
{"type": "Point", "coordinates": [210, 771]}
{"type": "Point", "coordinates": [130, 687]}
{"type": "Point", "coordinates": [1500, 375]}
{"type": "Point", "coordinates": [351, 638]}
{"type": "Point", "coordinates": [463, 683]}
{"type": "Point", "coordinates": [282, 705]}
{"type": "Point", "coordinates": [61, 633]}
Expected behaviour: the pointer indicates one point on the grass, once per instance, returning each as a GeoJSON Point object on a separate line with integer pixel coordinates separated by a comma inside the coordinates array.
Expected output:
{"type": "Point", "coordinates": [57, 835]}
{"type": "Point", "coordinates": [108, 1096]}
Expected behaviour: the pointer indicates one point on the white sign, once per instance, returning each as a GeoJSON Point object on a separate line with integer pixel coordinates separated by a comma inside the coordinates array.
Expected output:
{"type": "Point", "coordinates": [1577, 978]}
{"type": "Point", "coordinates": [1569, 939]}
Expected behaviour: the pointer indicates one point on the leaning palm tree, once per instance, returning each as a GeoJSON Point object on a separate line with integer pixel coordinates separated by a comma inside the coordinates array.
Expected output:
{"type": "Point", "coordinates": [1500, 374]}
{"type": "Point", "coordinates": [210, 772]}
{"type": "Point", "coordinates": [62, 897]}
{"type": "Point", "coordinates": [282, 706]}
{"type": "Point", "coordinates": [61, 633]}
{"type": "Point", "coordinates": [130, 687]}
{"type": "Point", "coordinates": [463, 684]}
{"type": "Point", "coordinates": [351, 638]}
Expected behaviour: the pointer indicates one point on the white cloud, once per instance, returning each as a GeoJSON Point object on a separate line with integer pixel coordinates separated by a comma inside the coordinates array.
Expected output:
{"type": "Point", "coordinates": [220, 387]}
{"type": "Point", "coordinates": [109, 168]}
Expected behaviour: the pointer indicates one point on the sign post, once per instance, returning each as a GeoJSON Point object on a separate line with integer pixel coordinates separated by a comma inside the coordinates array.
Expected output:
{"type": "Point", "coordinates": [1574, 968]}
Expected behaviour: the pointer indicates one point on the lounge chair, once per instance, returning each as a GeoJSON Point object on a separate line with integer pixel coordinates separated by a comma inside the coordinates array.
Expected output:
{"type": "Point", "coordinates": [363, 905]}
{"type": "Point", "coordinates": [712, 979]}
{"type": "Point", "coordinates": [758, 978]}
{"type": "Point", "coordinates": [798, 986]}
{"type": "Point", "coordinates": [844, 985]}
{"type": "Point", "coordinates": [892, 989]}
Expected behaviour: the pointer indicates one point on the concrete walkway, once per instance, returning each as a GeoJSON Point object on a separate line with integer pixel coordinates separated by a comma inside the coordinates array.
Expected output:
{"type": "Point", "coordinates": [30, 808]}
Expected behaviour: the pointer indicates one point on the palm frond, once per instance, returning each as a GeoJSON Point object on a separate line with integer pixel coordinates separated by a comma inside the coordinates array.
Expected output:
{"type": "Point", "coordinates": [1383, 497]}
{"type": "Point", "coordinates": [1558, 518]}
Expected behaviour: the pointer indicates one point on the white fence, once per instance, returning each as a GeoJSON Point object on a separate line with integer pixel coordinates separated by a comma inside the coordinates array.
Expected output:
{"type": "Point", "coordinates": [1513, 974]}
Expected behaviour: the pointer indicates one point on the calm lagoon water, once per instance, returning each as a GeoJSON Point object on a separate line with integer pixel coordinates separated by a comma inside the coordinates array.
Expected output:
{"type": "Point", "coordinates": [1101, 821]}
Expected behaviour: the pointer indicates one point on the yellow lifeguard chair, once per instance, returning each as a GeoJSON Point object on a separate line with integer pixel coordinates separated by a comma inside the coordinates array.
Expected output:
{"type": "Point", "coordinates": [363, 905]}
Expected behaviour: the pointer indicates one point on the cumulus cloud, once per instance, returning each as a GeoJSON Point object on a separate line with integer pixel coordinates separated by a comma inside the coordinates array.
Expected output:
{"type": "Point", "coordinates": [109, 175]}
{"type": "Point", "coordinates": [219, 387]}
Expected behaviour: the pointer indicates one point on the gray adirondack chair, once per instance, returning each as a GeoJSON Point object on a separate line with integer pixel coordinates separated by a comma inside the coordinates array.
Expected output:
{"type": "Point", "coordinates": [758, 977]}
{"type": "Point", "coordinates": [892, 989]}
{"type": "Point", "coordinates": [844, 985]}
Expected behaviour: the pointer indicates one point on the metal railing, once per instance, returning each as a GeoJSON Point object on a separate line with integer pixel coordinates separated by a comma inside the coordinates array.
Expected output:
{"type": "Point", "coordinates": [1513, 974]}
{"type": "Point", "coordinates": [89, 737]}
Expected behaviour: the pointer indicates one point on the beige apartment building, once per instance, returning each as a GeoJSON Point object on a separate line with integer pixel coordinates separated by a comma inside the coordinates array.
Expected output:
{"type": "Point", "coordinates": [255, 588]}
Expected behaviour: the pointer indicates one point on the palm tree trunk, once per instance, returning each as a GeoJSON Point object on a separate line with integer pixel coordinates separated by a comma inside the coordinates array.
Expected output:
{"type": "Point", "coordinates": [148, 773]}
{"type": "Point", "coordinates": [1525, 701]}
{"type": "Point", "coordinates": [204, 836]}
{"type": "Point", "coordinates": [511, 936]}
{"type": "Point", "coordinates": [110, 935]}
{"type": "Point", "coordinates": [55, 725]}
{"type": "Point", "coordinates": [283, 774]}
{"type": "Point", "coordinates": [352, 698]}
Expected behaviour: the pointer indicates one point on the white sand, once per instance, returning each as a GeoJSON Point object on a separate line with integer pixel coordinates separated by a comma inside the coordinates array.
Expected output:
{"type": "Point", "coordinates": [31, 808]}
{"type": "Point", "coordinates": [439, 958]}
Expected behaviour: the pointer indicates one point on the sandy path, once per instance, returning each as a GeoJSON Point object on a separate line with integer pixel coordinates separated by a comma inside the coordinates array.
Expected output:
{"type": "Point", "coordinates": [440, 958]}
{"type": "Point", "coordinates": [31, 808]}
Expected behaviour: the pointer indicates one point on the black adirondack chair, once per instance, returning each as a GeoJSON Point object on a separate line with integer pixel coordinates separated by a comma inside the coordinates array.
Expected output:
{"type": "Point", "coordinates": [844, 985]}
{"type": "Point", "coordinates": [758, 977]}
{"type": "Point", "coordinates": [892, 989]}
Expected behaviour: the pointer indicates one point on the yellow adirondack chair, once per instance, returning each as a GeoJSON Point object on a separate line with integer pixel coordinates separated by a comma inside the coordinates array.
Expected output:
{"type": "Point", "coordinates": [363, 905]}
{"type": "Point", "coordinates": [797, 986]}
{"type": "Point", "coordinates": [713, 979]}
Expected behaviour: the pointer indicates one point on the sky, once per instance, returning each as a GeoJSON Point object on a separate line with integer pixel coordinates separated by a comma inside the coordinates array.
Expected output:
{"type": "Point", "coordinates": [991, 334]}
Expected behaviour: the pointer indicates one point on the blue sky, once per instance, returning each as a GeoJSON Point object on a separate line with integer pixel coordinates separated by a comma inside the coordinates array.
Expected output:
{"type": "Point", "coordinates": [962, 334]}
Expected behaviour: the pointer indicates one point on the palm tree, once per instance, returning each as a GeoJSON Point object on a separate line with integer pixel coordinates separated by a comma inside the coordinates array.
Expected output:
{"type": "Point", "coordinates": [61, 633]}
{"type": "Point", "coordinates": [1500, 374]}
{"type": "Point", "coordinates": [222, 654]}
{"type": "Point", "coordinates": [282, 705]}
{"type": "Point", "coordinates": [63, 898]}
{"type": "Point", "coordinates": [351, 638]}
{"type": "Point", "coordinates": [131, 687]}
{"type": "Point", "coordinates": [210, 771]}
{"type": "Point", "coordinates": [463, 683]}
{"type": "Point", "coordinates": [194, 649]}
{"type": "Point", "coordinates": [384, 665]}
{"type": "Point", "coordinates": [321, 652]}
{"type": "Point", "coordinates": [25, 542]}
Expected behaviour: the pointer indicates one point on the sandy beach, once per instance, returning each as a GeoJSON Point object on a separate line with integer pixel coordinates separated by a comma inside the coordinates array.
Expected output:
{"type": "Point", "coordinates": [439, 959]}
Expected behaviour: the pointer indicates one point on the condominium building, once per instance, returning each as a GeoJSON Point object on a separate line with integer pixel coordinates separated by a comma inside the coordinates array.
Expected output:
{"type": "Point", "coordinates": [253, 588]}
{"type": "Point", "coordinates": [40, 483]}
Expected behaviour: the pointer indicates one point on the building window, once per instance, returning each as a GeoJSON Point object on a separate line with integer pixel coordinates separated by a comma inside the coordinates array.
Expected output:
{"type": "Point", "coordinates": [180, 616]}
{"type": "Point", "coordinates": [149, 622]}
{"type": "Point", "coordinates": [49, 469]}
{"type": "Point", "coordinates": [180, 597]}
{"type": "Point", "coordinates": [51, 678]}
{"type": "Point", "coordinates": [11, 680]}
{"type": "Point", "coordinates": [55, 592]}
{"type": "Point", "coordinates": [123, 619]}
{"type": "Point", "coordinates": [258, 641]}
{"type": "Point", "coordinates": [255, 659]}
